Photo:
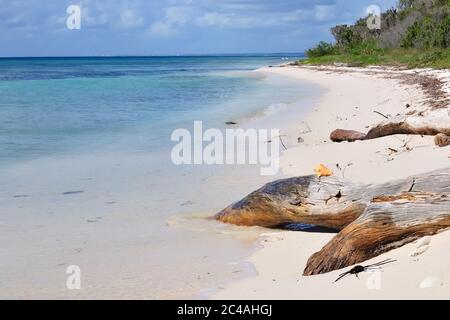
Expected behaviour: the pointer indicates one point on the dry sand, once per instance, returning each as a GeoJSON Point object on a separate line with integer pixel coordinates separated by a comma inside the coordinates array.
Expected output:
{"type": "Point", "coordinates": [422, 269]}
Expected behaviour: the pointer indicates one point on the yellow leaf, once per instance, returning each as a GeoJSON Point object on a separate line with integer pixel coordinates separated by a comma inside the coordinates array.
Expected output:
{"type": "Point", "coordinates": [322, 171]}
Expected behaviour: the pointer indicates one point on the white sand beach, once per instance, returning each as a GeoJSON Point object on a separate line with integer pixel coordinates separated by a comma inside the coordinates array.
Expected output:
{"type": "Point", "coordinates": [130, 226]}
{"type": "Point", "coordinates": [422, 269]}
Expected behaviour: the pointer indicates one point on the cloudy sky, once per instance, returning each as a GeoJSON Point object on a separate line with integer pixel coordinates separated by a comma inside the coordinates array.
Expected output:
{"type": "Point", "coordinates": [171, 27]}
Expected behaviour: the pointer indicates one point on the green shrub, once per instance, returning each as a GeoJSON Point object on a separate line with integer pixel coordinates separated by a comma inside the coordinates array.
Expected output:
{"type": "Point", "coordinates": [345, 36]}
{"type": "Point", "coordinates": [368, 47]}
{"type": "Point", "coordinates": [410, 36]}
{"type": "Point", "coordinates": [322, 49]}
{"type": "Point", "coordinates": [429, 58]}
{"type": "Point", "coordinates": [428, 33]}
{"type": "Point", "coordinates": [414, 34]}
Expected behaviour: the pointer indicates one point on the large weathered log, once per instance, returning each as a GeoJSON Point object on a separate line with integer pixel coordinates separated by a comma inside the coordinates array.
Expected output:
{"type": "Point", "coordinates": [327, 202]}
{"type": "Point", "coordinates": [372, 219]}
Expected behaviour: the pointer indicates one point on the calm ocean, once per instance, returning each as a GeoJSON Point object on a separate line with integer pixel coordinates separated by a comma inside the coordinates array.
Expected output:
{"type": "Point", "coordinates": [86, 177]}
{"type": "Point", "coordinates": [64, 105]}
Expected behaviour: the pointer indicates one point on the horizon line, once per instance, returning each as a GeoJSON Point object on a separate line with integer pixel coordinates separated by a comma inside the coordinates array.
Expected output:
{"type": "Point", "coordinates": [161, 55]}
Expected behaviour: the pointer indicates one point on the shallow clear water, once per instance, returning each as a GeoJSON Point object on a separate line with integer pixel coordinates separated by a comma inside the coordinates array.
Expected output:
{"type": "Point", "coordinates": [60, 105]}
{"type": "Point", "coordinates": [86, 177]}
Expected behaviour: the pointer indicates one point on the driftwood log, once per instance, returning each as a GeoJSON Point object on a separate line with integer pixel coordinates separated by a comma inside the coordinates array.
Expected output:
{"type": "Point", "coordinates": [340, 135]}
{"type": "Point", "coordinates": [370, 219]}
{"type": "Point", "coordinates": [431, 123]}
{"type": "Point", "coordinates": [441, 140]}
{"type": "Point", "coordinates": [405, 127]}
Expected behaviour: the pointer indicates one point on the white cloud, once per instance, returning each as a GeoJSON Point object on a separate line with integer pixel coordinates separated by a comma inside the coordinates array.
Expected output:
{"type": "Point", "coordinates": [213, 19]}
{"type": "Point", "coordinates": [105, 14]}
{"type": "Point", "coordinates": [93, 17]}
{"type": "Point", "coordinates": [239, 21]}
{"type": "Point", "coordinates": [255, 14]}
{"type": "Point", "coordinates": [296, 16]}
{"type": "Point", "coordinates": [130, 19]}
{"type": "Point", "coordinates": [161, 29]}
{"type": "Point", "coordinates": [174, 19]}
{"type": "Point", "coordinates": [325, 13]}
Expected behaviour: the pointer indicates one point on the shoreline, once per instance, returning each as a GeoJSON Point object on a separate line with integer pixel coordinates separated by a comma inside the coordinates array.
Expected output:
{"type": "Point", "coordinates": [280, 262]}
{"type": "Point", "coordinates": [128, 219]}
{"type": "Point", "coordinates": [130, 231]}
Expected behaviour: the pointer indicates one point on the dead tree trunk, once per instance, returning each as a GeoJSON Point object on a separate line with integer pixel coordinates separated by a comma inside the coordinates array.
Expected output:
{"type": "Point", "coordinates": [405, 127]}
{"type": "Point", "coordinates": [431, 123]}
{"type": "Point", "coordinates": [372, 219]}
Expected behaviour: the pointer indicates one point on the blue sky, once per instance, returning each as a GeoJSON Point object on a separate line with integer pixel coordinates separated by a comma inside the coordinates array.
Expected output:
{"type": "Point", "coordinates": [171, 27]}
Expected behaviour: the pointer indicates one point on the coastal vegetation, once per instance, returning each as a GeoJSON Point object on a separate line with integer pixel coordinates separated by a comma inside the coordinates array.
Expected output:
{"type": "Point", "coordinates": [370, 219]}
{"type": "Point", "coordinates": [414, 34]}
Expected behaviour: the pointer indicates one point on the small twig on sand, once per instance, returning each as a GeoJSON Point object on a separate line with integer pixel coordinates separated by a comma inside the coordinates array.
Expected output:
{"type": "Point", "coordinates": [405, 142]}
{"type": "Point", "coordinates": [281, 140]}
{"type": "Point", "coordinates": [343, 169]}
{"type": "Point", "coordinates": [377, 112]}
{"type": "Point", "coordinates": [393, 150]}
{"type": "Point", "coordinates": [412, 185]}
{"type": "Point", "coordinates": [282, 143]}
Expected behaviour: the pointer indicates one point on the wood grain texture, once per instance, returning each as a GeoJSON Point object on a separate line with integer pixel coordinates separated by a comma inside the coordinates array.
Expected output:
{"type": "Point", "coordinates": [372, 219]}
{"type": "Point", "coordinates": [404, 127]}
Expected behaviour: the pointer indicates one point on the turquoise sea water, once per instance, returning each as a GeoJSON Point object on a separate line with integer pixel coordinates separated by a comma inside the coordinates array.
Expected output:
{"type": "Point", "coordinates": [86, 177]}
{"type": "Point", "coordinates": [63, 105]}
